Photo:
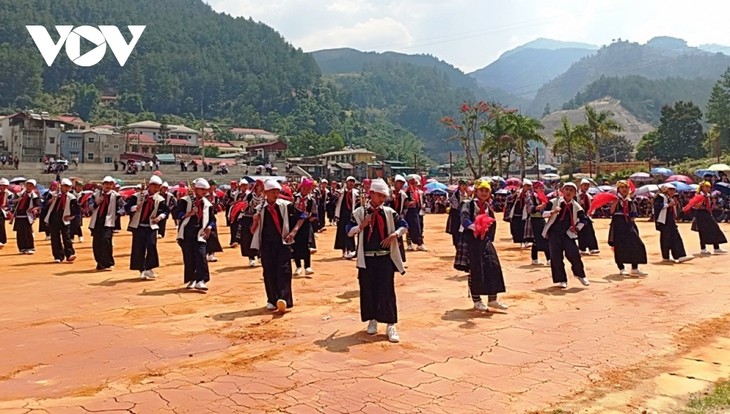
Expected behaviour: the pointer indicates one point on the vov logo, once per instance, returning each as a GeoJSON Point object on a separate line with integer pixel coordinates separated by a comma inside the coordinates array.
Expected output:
{"type": "Point", "coordinates": [71, 38]}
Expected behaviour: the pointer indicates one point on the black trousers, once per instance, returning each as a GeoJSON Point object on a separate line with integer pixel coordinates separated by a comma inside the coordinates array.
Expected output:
{"type": "Point", "coordinates": [587, 238]}
{"type": "Point", "coordinates": [3, 234]}
{"type": "Point", "coordinates": [75, 227]}
{"type": "Point", "coordinates": [62, 246]}
{"type": "Point", "coordinates": [195, 261]}
{"type": "Point", "coordinates": [144, 249]}
{"type": "Point", "coordinates": [276, 262]}
{"type": "Point", "coordinates": [670, 242]}
{"type": "Point", "coordinates": [163, 227]}
{"type": "Point", "coordinates": [562, 245]}
{"type": "Point", "coordinates": [377, 290]}
{"type": "Point", "coordinates": [102, 247]}
{"type": "Point", "coordinates": [24, 233]}
{"type": "Point", "coordinates": [415, 233]}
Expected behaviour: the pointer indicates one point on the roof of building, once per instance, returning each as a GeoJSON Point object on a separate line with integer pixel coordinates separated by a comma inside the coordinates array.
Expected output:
{"type": "Point", "coordinates": [347, 152]}
{"type": "Point", "coordinates": [180, 142]}
{"type": "Point", "coordinates": [217, 144]}
{"type": "Point", "coordinates": [71, 119]}
{"type": "Point", "coordinates": [182, 129]}
{"type": "Point", "coordinates": [145, 124]}
{"type": "Point", "coordinates": [105, 126]}
{"type": "Point", "coordinates": [99, 131]}
{"type": "Point", "coordinates": [272, 144]}
{"type": "Point", "coordinates": [143, 138]}
{"type": "Point", "coordinates": [253, 131]}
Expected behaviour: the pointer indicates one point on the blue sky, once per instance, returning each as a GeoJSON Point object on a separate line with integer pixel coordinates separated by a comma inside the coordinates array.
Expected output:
{"type": "Point", "coordinates": [471, 33]}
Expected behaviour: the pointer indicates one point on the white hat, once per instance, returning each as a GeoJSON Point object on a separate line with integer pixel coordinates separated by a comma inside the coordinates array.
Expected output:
{"type": "Point", "coordinates": [138, 186]}
{"type": "Point", "coordinates": [585, 181]}
{"type": "Point", "coordinates": [243, 181]}
{"type": "Point", "coordinates": [155, 179]}
{"type": "Point", "coordinates": [379, 186]}
{"type": "Point", "coordinates": [526, 182]}
{"type": "Point", "coordinates": [108, 179]}
{"type": "Point", "coordinates": [350, 178]}
{"type": "Point", "coordinates": [272, 185]}
{"type": "Point", "coordinates": [575, 187]}
{"type": "Point", "coordinates": [414, 177]}
{"type": "Point", "coordinates": [668, 185]}
{"type": "Point", "coordinates": [31, 181]}
{"type": "Point", "coordinates": [400, 178]}
{"type": "Point", "coordinates": [67, 182]}
{"type": "Point", "coordinates": [202, 183]}
{"type": "Point", "coordinates": [4, 181]}
{"type": "Point", "coordinates": [165, 184]}
{"type": "Point", "coordinates": [324, 180]}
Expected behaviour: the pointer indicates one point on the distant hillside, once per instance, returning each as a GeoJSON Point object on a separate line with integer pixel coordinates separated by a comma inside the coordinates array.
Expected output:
{"type": "Point", "coordinates": [522, 72]}
{"type": "Point", "coordinates": [633, 128]}
{"type": "Point", "coordinates": [713, 48]}
{"type": "Point", "coordinates": [351, 61]}
{"type": "Point", "coordinates": [645, 97]}
{"type": "Point", "coordinates": [549, 44]}
{"type": "Point", "coordinates": [660, 58]}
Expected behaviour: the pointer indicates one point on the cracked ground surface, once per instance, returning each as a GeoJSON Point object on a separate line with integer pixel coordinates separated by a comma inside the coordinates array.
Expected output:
{"type": "Point", "coordinates": [74, 340]}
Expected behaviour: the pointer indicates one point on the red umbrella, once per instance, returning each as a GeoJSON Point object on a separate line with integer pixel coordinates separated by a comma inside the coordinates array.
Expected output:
{"type": "Point", "coordinates": [514, 182]}
{"type": "Point", "coordinates": [601, 200]}
{"type": "Point", "coordinates": [127, 193]}
{"type": "Point", "coordinates": [511, 187]}
{"type": "Point", "coordinates": [15, 188]}
{"type": "Point", "coordinates": [680, 178]}
{"type": "Point", "coordinates": [236, 209]}
{"type": "Point", "coordinates": [220, 193]}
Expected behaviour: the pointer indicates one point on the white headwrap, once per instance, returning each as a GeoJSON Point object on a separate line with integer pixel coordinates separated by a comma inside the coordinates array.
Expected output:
{"type": "Point", "coordinates": [272, 185]}
{"type": "Point", "coordinates": [379, 186]}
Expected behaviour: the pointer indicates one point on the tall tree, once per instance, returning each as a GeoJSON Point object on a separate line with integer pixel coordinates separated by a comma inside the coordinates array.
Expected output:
{"type": "Point", "coordinates": [680, 134]}
{"type": "Point", "coordinates": [646, 148]}
{"type": "Point", "coordinates": [524, 131]}
{"type": "Point", "coordinates": [570, 139]}
{"type": "Point", "coordinates": [468, 132]}
{"type": "Point", "coordinates": [718, 110]}
{"type": "Point", "coordinates": [601, 125]}
{"type": "Point", "coordinates": [497, 141]}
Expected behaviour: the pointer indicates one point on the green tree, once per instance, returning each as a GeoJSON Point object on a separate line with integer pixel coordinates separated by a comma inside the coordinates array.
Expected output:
{"type": "Point", "coordinates": [570, 139]}
{"type": "Point", "coordinates": [680, 134]}
{"type": "Point", "coordinates": [646, 148]}
{"type": "Point", "coordinates": [601, 125]}
{"type": "Point", "coordinates": [617, 149]}
{"type": "Point", "coordinates": [469, 133]}
{"type": "Point", "coordinates": [498, 143]}
{"type": "Point", "coordinates": [212, 152]}
{"type": "Point", "coordinates": [85, 99]}
{"type": "Point", "coordinates": [524, 131]}
{"type": "Point", "coordinates": [718, 110]}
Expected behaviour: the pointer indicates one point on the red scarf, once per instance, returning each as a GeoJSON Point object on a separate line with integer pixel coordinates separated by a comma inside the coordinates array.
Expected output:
{"type": "Point", "coordinates": [104, 203]}
{"type": "Point", "coordinates": [61, 203]}
{"type": "Point", "coordinates": [200, 205]}
{"type": "Point", "coordinates": [415, 196]}
{"type": "Point", "coordinates": [378, 222]}
{"type": "Point", "coordinates": [482, 207]}
{"type": "Point", "coordinates": [23, 203]}
{"type": "Point", "coordinates": [275, 217]}
{"type": "Point", "coordinates": [568, 208]}
{"type": "Point", "coordinates": [348, 199]}
{"type": "Point", "coordinates": [146, 206]}
{"type": "Point", "coordinates": [2, 198]}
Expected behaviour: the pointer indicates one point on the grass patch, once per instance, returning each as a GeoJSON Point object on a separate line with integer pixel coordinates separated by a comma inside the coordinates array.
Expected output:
{"type": "Point", "coordinates": [715, 401]}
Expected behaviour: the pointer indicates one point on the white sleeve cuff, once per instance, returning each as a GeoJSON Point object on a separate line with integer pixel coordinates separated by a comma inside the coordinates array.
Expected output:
{"type": "Point", "coordinates": [354, 231]}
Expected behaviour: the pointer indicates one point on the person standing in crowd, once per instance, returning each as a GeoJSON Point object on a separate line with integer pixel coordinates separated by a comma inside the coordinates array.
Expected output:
{"type": "Point", "coordinates": [26, 210]}
{"type": "Point", "coordinates": [378, 228]}
{"type": "Point", "coordinates": [704, 223]}
{"type": "Point", "coordinates": [77, 222]}
{"type": "Point", "coordinates": [399, 202]}
{"type": "Point", "coordinates": [106, 205]}
{"type": "Point", "coordinates": [5, 196]}
{"type": "Point", "coordinates": [170, 204]}
{"type": "Point", "coordinates": [331, 206]}
{"type": "Point", "coordinates": [665, 220]}
{"type": "Point", "coordinates": [485, 271]}
{"type": "Point", "coordinates": [347, 202]}
{"type": "Point", "coordinates": [305, 204]}
{"type": "Point", "coordinates": [196, 215]}
{"type": "Point", "coordinates": [623, 234]}
{"type": "Point", "coordinates": [566, 218]}
{"type": "Point", "coordinates": [519, 215]}
{"type": "Point", "coordinates": [535, 203]}
{"type": "Point", "coordinates": [323, 199]}
{"type": "Point", "coordinates": [62, 208]}
{"type": "Point", "coordinates": [275, 226]}
{"type": "Point", "coordinates": [233, 195]}
{"type": "Point", "coordinates": [413, 215]}
{"type": "Point", "coordinates": [587, 241]}
{"type": "Point", "coordinates": [213, 244]}
{"type": "Point", "coordinates": [253, 200]}
{"type": "Point", "coordinates": [453, 222]}
{"type": "Point", "coordinates": [45, 204]}
{"type": "Point", "coordinates": [146, 210]}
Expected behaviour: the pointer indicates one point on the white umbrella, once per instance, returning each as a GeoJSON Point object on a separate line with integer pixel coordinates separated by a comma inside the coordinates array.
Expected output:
{"type": "Point", "coordinates": [641, 176]}
{"type": "Point", "coordinates": [719, 167]}
{"type": "Point", "coordinates": [646, 189]}
{"type": "Point", "coordinates": [551, 177]}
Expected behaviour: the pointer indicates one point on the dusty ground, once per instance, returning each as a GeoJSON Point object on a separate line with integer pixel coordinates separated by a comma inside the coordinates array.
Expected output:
{"type": "Point", "coordinates": [75, 340]}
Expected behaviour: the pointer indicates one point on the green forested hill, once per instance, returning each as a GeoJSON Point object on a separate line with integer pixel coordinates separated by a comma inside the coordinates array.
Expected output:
{"type": "Point", "coordinates": [188, 59]}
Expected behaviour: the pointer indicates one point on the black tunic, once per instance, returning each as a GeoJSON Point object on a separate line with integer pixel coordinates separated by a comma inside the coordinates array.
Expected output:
{"type": "Point", "coordinates": [623, 235]}
{"type": "Point", "coordinates": [484, 267]}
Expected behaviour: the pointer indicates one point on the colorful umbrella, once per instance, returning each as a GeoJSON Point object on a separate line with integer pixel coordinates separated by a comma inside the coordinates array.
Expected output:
{"type": "Point", "coordinates": [719, 167]}
{"type": "Point", "coordinates": [680, 178]}
{"type": "Point", "coordinates": [640, 177]}
{"type": "Point", "coordinates": [514, 182]}
{"type": "Point", "coordinates": [18, 180]}
{"type": "Point", "coordinates": [680, 186]}
{"type": "Point", "coordinates": [436, 186]}
{"type": "Point", "coordinates": [661, 171]}
{"type": "Point", "coordinates": [724, 188]}
{"type": "Point", "coordinates": [551, 177]}
{"type": "Point", "coordinates": [647, 189]}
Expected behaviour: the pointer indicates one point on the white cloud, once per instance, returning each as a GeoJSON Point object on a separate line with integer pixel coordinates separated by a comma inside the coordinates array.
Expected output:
{"type": "Point", "coordinates": [470, 34]}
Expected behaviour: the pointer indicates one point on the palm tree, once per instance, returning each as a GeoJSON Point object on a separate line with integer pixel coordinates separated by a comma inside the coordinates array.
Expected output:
{"type": "Point", "coordinates": [569, 139]}
{"type": "Point", "coordinates": [601, 125]}
{"type": "Point", "coordinates": [523, 130]}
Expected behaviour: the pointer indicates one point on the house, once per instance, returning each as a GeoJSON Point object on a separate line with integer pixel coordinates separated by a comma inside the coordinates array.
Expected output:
{"type": "Point", "coordinates": [351, 156]}
{"type": "Point", "coordinates": [226, 149]}
{"type": "Point", "coordinates": [267, 151]}
{"type": "Point", "coordinates": [153, 129]}
{"type": "Point", "coordinates": [141, 144]}
{"type": "Point", "coordinates": [72, 145]}
{"type": "Point", "coordinates": [31, 136]}
{"type": "Point", "coordinates": [94, 146]}
{"type": "Point", "coordinates": [252, 135]}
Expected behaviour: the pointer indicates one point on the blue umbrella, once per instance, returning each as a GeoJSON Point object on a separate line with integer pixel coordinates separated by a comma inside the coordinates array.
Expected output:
{"type": "Point", "coordinates": [436, 186]}
{"type": "Point", "coordinates": [702, 173]}
{"type": "Point", "coordinates": [661, 171]}
{"type": "Point", "coordinates": [724, 188]}
{"type": "Point", "coordinates": [680, 186]}
{"type": "Point", "coordinates": [437, 192]}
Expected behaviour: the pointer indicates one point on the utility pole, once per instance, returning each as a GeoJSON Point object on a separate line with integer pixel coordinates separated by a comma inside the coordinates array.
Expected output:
{"type": "Point", "coordinates": [537, 162]}
{"type": "Point", "coordinates": [451, 167]}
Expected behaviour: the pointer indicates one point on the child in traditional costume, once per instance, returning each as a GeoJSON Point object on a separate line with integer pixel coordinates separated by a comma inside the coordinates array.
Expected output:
{"type": "Point", "coordinates": [623, 234]}
{"type": "Point", "coordinates": [378, 228]}
{"type": "Point", "coordinates": [535, 203]}
{"type": "Point", "coordinates": [665, 220]}
{"type": "Point", "coordinates": [347, 202]}
{"type": "Point", "coordinates": [106, 206]}
{"type": "Point", "coordinates": [398, 201]}
{"type": "Point", "coordinates": [519, 215]}
{"type": "Point", "coordinates": [62, 208]}
{"type": "Point", "coordinates": [196, 216]}
{"type": "Point", "coordinates": [146, 210]}
{"type": "Point", "coordinates": [587, 241]}
{"type": "Point", "coordinates": [479, 227]}
{"type": "Point", "coordinates": [253, 199]}
{"type": "Point", "coordinates": [565, 220]}
{"type": "Point", "coordinates": [704, 222]}
{"type": "Point", "coordinates": [275, 226]}
{"type": "Point", "coordinates": [5, 196]}
{"type": "Point", "coordinates": [305, 203]}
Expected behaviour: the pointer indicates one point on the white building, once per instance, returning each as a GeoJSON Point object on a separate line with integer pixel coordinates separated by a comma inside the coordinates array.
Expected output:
{"type": "Point", "coordinates": [152, 129]}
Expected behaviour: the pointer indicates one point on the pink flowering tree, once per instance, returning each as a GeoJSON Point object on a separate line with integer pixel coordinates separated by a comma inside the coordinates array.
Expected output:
{"type": "Point", "coordinates": [468, 131]}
